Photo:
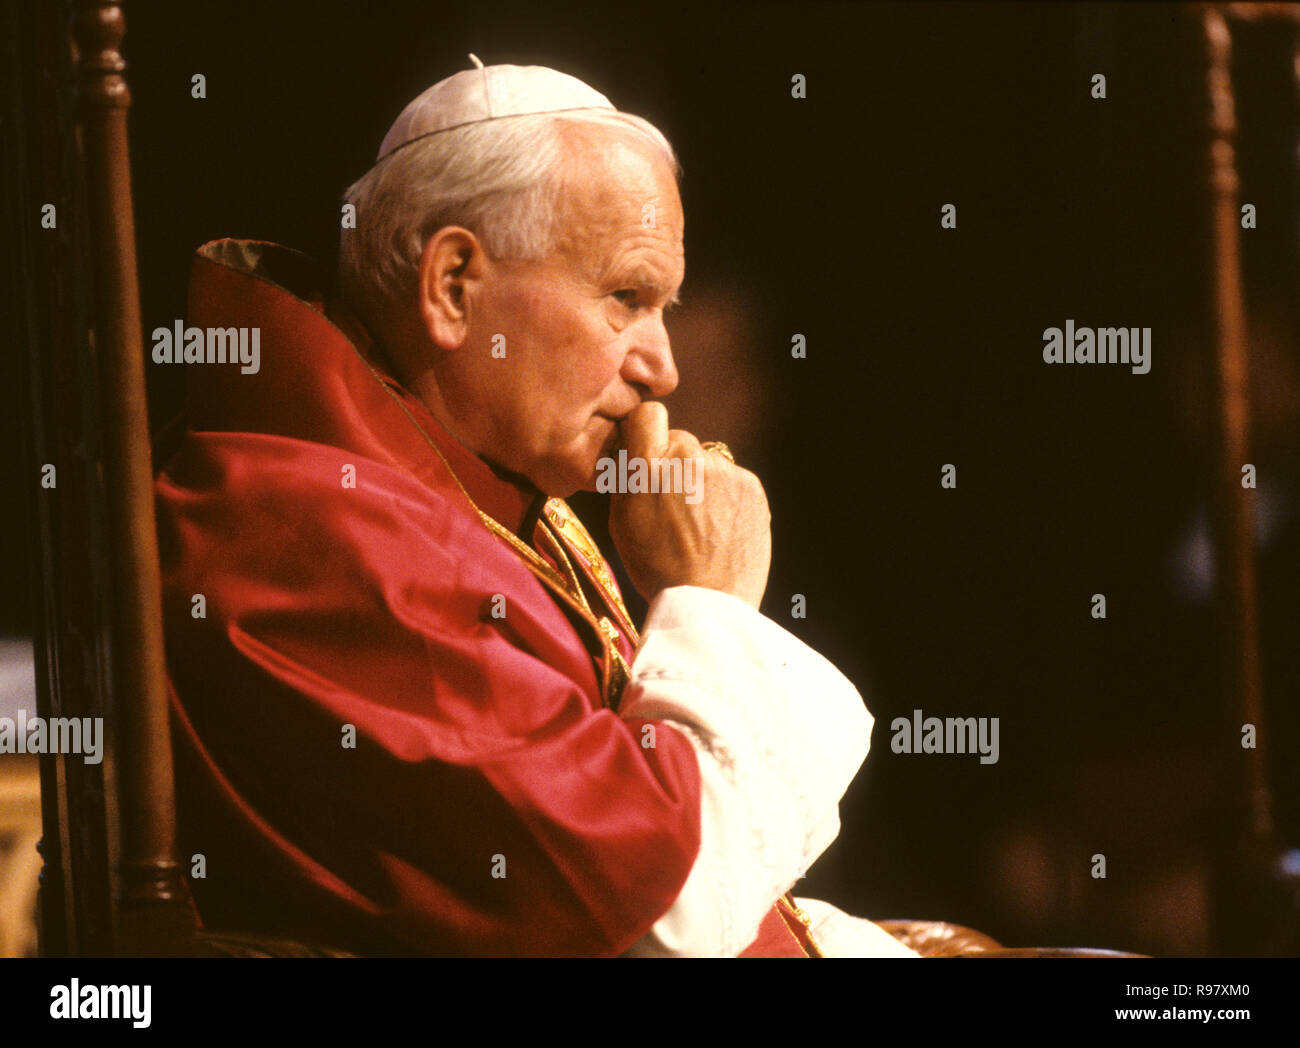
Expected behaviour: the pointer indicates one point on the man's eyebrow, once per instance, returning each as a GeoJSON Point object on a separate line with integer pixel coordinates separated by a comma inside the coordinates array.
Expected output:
{"type": "Point", "coordinates": [647, 280]}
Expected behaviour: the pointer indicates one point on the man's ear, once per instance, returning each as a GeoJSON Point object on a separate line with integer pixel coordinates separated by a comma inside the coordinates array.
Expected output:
{"type": "Point", "coordinates": [451, 270]}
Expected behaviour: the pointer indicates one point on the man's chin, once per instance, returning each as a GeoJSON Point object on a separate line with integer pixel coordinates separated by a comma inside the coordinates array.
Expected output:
{"type": "Point", "coordinates": [551, 478]}
{"type": "Point", "coordinates": [588, 483]}
{"type": "Point", "coordinates": [562, 477]}
{"type": "Point", "coordinates": [561, 483]}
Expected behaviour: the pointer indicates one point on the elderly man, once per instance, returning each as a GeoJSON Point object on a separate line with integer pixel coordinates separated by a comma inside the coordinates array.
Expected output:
{"type": "Point", "coordinates": [413, 715]}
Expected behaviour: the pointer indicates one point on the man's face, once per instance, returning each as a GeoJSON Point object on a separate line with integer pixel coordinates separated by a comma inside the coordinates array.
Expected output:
{"type": "Point", "coordinates": [584, 338]}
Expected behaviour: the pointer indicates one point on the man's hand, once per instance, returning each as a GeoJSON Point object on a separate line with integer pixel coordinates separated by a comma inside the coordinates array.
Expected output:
{"type": "Point", "coordinates": [722, 542]}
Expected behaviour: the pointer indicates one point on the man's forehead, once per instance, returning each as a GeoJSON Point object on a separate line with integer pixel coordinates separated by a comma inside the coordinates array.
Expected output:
{"type": "Point", "coordinates": [611, 176]}
{"type": "Point", "coordinates": [624, 224]}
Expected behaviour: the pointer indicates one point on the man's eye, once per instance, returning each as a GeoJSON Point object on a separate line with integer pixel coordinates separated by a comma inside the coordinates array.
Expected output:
{"type": "Point", "coordinates": [627, 297]}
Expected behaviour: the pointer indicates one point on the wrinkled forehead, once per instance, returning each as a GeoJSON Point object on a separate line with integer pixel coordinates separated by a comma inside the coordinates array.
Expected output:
{"type": "Point", "coordinates": [615, 187]}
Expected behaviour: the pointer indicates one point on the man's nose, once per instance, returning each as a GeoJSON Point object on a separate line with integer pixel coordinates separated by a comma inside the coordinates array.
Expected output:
{"type": "Point", "coordinates": [649, 363]}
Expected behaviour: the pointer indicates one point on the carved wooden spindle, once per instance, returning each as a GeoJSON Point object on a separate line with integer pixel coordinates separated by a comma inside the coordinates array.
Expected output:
{"type": "Point", "coordinates": [1256, 893]}
{"type": "Point", "coordinates": [153, 908]}
{"type": "Point", "coordinates": [1235, 552]}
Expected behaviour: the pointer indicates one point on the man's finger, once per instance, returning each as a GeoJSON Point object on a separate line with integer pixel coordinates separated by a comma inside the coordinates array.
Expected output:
{"type": "Point", "coordinates": [685, 444]}
{"type": "Point", "coordinates": [645, 430]}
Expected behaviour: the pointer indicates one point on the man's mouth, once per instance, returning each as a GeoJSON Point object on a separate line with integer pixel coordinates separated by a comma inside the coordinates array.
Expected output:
{"type": "Point", "coordinates": [615, 437]}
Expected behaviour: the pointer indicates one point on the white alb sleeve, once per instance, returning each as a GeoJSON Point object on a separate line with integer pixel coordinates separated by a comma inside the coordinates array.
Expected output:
{"type": "Point", "coordinates": [779, 734]}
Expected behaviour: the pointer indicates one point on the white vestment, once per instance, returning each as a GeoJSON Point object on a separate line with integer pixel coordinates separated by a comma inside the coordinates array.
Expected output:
{"type": "Point", "coordinates": [779, 734]}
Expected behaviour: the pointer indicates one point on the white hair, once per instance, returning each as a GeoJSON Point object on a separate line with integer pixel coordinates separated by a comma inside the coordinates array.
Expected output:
{"type": "Point", "coordinates": [501, 179]}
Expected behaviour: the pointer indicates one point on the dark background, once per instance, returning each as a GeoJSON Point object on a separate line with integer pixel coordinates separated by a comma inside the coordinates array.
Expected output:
{"type": "Point", "coordinates": [820, 216]}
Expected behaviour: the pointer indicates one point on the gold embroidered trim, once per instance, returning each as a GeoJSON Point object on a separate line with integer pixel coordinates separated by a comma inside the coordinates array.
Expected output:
{"type": "Point", "coordinates": [566, 522]}
{"type": "Point", "coordinates": [802, 918]}
{"type": "Point", "coordinates": [618, 666]}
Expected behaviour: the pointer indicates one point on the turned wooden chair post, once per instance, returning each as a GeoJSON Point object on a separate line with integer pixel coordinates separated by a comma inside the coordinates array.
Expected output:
{"type": "Point", "coordinates": [1253, 894]}
{"type": "Point", "coordinates": [152, 906]}
{"type": "Point", "coordinates": [111, 883]}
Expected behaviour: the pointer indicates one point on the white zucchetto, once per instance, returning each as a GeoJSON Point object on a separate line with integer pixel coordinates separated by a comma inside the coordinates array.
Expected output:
{"type": "Point", "coordinates": [488, 93]}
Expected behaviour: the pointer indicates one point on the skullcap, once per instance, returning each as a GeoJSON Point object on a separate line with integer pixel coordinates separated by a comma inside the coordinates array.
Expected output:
{"type": "Point", "coordinates": [489, 93]}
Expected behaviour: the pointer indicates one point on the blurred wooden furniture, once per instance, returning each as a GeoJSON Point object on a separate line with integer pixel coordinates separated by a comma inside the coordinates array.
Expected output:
{"type": "Point", "coordinates": [939, 938]}
{"type": "Point", "coordinates": [1256, 883]}
{"type": "Point", "coordinates": [20, 832]}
